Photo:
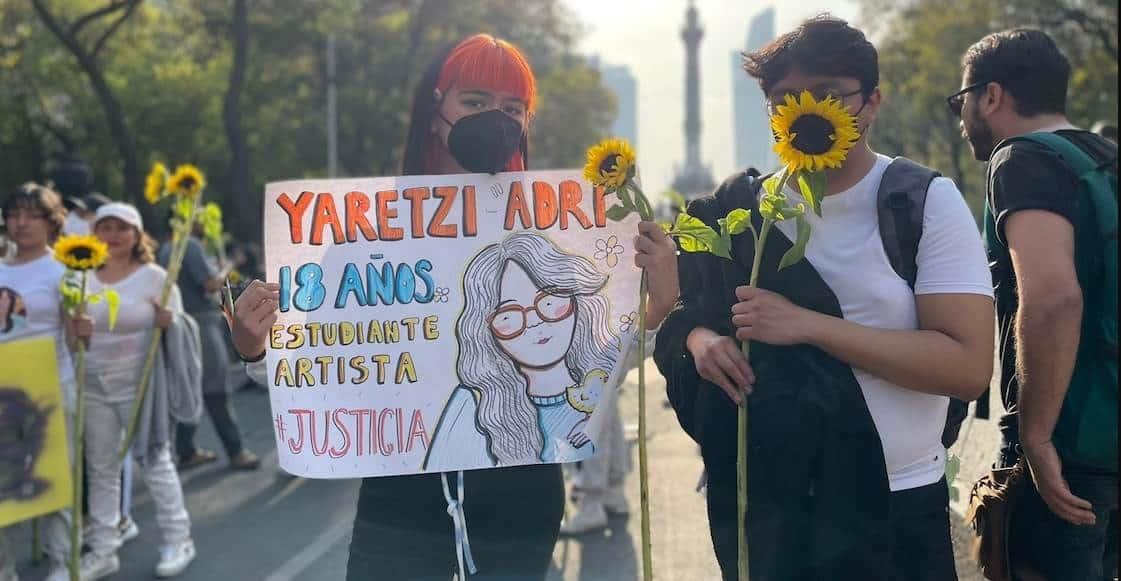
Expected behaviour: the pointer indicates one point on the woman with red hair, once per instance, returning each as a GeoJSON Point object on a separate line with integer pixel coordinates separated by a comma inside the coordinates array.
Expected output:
{"type": "Point", "coordinates": [471, 114]}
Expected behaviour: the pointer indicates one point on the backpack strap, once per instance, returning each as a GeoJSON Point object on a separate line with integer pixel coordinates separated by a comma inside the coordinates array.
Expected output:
{"type": "Point", "coordinates": [900, 203]}
{"type": "Point", "coordinates": [1073, 157]}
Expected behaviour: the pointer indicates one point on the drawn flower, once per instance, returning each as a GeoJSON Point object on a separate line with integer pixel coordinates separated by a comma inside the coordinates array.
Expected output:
{"type": "Point", "coordinates": [440, 294]}
{"type": "Point", "coordinates": [186, 181]}
{"type": "Point", "coordinates": [155, 186]}
{"type": "Point", "coordinates": [80, 252]}
{"type": "Point", "coordinates": [627, 322]}
{"type": "Point", "coordinates": [610, 164]}
{"type": "Point", "coordinates": [609, 250]}
{"type": "Point", "coordinates": [813, 135]}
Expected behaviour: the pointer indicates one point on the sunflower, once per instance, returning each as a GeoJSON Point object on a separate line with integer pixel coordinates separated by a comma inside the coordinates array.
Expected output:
{"type": "Point", "coordinates": [187, 180]}
{"type": "Point", "coordinates": [610, 164]}
{"type": "Point", "coordinates": [80, 252]}
{"type": "Point", "coordinates": [812, 135]}
{"type": "Point", "coordinates": [156, 184]}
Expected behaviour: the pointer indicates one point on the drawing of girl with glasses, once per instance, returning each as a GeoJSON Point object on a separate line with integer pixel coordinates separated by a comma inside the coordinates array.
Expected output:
{"type": "Point", "coordinates": [535, 351]}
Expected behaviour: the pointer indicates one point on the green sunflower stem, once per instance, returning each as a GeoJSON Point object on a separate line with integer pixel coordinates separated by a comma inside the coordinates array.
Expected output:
{"type": "Point", "coordinates": [78, 440]}
{"type": "Point", "coordinates": [643, 466]}
{"type": "Point", "coordinates": [175, 262]}
{"type": "Point", "coordinates": [742, 425]}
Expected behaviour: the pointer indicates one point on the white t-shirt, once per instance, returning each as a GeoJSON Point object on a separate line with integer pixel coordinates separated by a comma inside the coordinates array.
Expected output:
{"type": "Point", "coordinates": [115, 357]}
{"type": "Point", "coordinates": [37, 312]}
{"type": "Point", "coordinates": [847, 251]}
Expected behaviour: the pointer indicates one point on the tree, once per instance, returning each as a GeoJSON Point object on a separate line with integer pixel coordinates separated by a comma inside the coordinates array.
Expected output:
{"type": "Point", "coordinates": [238, 173]}
{"type": "Point", "coordinates": [241, 92]}
{"type": "Point", "coordinates": [115, 12]}
{"type": "Point", "coordinates": [920, 44]}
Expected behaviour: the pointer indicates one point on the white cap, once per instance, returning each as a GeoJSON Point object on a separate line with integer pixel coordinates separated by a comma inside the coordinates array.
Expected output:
{"type": "Point", "coordinates": [126, 213]}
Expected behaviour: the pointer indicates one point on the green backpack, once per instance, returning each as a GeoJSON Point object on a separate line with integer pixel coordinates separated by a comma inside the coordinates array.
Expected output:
{"type": "Point", "coordinates": [1086, 434]}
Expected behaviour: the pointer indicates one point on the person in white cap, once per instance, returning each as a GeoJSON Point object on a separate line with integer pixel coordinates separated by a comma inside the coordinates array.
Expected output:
{"type": "Point", "coordinates": [114, 362]}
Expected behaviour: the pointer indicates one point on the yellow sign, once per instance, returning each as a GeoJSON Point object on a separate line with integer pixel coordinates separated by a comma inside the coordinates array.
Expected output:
{"type": "Point", "coordinates": [34, 466]}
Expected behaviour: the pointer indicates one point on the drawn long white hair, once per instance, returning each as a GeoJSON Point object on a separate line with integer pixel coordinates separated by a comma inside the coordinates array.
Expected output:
{"type": "Point", "coordinates": [505, 414]}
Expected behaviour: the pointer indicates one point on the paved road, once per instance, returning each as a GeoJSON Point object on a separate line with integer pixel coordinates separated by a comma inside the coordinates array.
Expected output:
{"type": "Point", "coordinates": [263, 526]}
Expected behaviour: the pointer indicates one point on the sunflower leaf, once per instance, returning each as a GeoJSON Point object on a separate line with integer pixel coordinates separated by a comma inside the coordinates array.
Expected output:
{"type": "Point", "coordinates": [798, 250]}
{"type": "Point", "coordinates": [774, 184]}
{"type": "Point", "coordinates": [696, 236]}
{"type": "Point", "coordinates": [113, 301]}
{"type": "Point", "coordinates": [739, 220]}
{"type": "Point", "coordinates": [812, 186]}
{"type": "Point", "coordinates": [618, 213]}
{"type": "Point", "coordinates": [625, 197]}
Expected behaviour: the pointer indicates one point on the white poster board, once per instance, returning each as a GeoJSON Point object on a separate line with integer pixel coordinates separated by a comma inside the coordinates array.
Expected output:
{"type": "Point", "coordinates": [438, 323]}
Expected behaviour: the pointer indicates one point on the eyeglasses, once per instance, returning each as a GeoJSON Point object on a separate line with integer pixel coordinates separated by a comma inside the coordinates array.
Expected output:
{"type": "Point", "coordinates": [818, 95]}
{"type": "Point", "coordinates": [957, 100]}
{"type": "Point", "coordinates": [509, 321]}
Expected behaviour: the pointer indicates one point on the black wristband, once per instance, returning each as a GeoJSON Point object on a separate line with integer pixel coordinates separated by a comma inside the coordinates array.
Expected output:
{"type": "Point", "coordinates": [254, 359]}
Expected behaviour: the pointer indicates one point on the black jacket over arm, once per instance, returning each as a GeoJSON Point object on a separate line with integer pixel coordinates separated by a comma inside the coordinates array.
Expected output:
{"type": "Point", "coordinates": [818, 488]}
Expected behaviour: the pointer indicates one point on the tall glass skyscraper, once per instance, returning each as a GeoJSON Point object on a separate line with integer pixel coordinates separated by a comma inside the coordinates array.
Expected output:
{"type": "Point", "coordinates": [752, 134]}
{"type": "Point", "coordinates": [620, 81]}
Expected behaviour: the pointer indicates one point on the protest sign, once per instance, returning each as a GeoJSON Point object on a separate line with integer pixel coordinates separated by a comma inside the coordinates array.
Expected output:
{"type": "Point", "coordinates": [34, 466]}
{"type": "Point", "coordinates": [436, 323]}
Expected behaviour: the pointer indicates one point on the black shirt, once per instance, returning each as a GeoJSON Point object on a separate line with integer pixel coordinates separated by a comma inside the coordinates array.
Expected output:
{"type": "Point", "coordinates": [1028, 176]}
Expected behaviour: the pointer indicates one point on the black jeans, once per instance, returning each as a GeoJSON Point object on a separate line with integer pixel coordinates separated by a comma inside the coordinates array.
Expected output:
{"type": "Point", "coordinates": [1057, 549]}
{"type": "Point", "coordinates": [222, 415]}
{"type": "Point", "coordinates": [920, 529]}
{"type": "Point", "coordinates": [918, 526]}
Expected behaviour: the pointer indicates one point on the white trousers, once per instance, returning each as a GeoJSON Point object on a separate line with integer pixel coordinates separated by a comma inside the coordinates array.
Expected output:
{"type": "Point", "coordinates": [609, 467]}
{"type": "Point", "coordinates": [105, 427]}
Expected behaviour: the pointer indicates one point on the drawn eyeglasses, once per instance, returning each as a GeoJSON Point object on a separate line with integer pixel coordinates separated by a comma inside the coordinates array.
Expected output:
{"type": "Point", "coordinates": [509, 321]}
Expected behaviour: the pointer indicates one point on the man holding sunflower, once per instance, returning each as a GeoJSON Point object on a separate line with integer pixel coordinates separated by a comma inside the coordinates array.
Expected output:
{"type": "Point", "coordinates": [854, 359]}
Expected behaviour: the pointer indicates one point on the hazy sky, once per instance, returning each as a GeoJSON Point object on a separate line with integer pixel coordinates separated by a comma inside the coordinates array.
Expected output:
{"type": "Point", "coordinates": [645, 35]}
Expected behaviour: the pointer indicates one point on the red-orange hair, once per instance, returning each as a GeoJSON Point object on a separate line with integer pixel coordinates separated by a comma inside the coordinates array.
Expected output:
{"type": "Point", "coordinates": [483, 61]}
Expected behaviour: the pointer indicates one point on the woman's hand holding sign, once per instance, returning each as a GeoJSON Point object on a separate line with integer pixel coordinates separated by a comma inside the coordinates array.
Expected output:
{"type": "Point", "coordinates": [656, 252]}
{"type": "Point", "coordinates": [255, 312]}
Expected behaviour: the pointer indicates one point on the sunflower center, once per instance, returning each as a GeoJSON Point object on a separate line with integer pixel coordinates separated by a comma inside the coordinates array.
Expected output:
{"type": "Point", "coordinates": [188, 183]}
{"type": "Point", "coordinates": [608, 164]}
{"type": "Point", "coordinates": [812, 134]}
{"type": "Point", "coordinates": [81, 253]}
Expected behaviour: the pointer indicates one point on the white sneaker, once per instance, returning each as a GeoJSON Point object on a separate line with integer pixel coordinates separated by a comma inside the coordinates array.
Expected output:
{"type": "Point", "coordinates": [58, 572]}
{"type": "Point", "coordinates": [175, 558]}
{"type": "Point", "coordinates": [129, 530]}
{"type": "Point", "coordinates": [589, 517]}
{"type": "Point", "coordinates": [615, 501]}
{"type": "Point", "coordinates": [93, 566]}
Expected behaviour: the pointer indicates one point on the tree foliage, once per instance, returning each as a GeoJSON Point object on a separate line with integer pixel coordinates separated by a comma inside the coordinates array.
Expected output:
{"type": "Point", "coordinates": [921, 42]}
{"type": "Point", "coordinates": [171, 66]}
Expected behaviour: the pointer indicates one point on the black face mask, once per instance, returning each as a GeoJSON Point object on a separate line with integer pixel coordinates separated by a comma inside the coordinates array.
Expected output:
{"type": "Point", "coordinates": [484, 142]}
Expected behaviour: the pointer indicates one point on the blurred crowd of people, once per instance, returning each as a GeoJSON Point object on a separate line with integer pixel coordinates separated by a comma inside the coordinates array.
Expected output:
{"type": "Point", "coordinates": [197, 350]}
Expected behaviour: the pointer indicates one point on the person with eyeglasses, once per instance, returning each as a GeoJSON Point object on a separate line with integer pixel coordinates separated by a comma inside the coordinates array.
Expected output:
{"type": "Point", "coordinates": [852, 365]}
{"type": "Point", "coordinates": [1051, 218]}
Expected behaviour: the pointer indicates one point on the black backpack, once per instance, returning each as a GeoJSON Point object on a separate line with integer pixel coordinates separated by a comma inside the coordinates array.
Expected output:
{"type": "Point", "coordinates": [900, 203]}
